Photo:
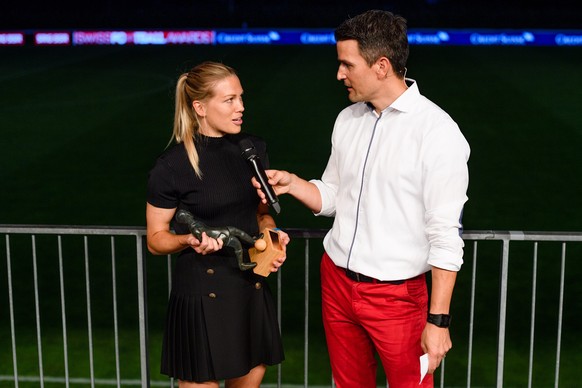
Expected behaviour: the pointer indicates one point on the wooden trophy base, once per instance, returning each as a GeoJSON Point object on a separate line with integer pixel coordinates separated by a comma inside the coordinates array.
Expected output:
{"type": "Point", "coordinates": [265, 258]}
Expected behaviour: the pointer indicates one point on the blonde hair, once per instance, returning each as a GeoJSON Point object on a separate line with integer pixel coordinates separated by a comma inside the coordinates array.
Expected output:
{"type": "Point", "coordinates": [195, 85]}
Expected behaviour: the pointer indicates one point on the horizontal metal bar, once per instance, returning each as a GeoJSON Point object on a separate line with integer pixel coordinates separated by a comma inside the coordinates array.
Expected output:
{"type": "Point", "coordinates": [521, 235]}
{"type": "Point", "coordinates": [516, 235]}
{"type": "Point", "coordinates": [77, 230]}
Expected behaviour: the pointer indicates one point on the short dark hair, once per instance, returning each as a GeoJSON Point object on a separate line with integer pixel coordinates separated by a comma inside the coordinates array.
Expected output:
{"type": "Point", "coordinates": [379, 34]}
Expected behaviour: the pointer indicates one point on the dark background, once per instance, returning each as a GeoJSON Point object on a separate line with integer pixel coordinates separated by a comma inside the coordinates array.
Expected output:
{"type": "Point", "coordinates": [66, 14]}
{"type": "Point", "coordinates": [69, 114]}
{"type": "Point", "coordinates": [82, 126]}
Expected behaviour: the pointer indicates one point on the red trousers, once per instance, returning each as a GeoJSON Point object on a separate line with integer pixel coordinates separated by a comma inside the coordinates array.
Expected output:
{"type": "Point", "coordinates": [361, 318]}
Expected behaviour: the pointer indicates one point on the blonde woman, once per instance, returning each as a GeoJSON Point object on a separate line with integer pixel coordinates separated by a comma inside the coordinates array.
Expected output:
{"type": "Point", "coordinates": [221, 322]}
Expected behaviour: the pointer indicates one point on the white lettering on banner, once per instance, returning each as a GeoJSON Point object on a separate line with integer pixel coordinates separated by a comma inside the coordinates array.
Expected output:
{"type": "Point", "coordinates": [11, 38]}
{"type": "Point", "coordinates": [143, 37]}
{"type": "Point", "coordinates": [309, 38]}
{"type": "Point", "coordinates": [274, 35]}
{"type": "Point", "coordinates": [189, 37]}
{"type": "Point", "coordinates": [52, 38]}
{"type": "Point", "coordinates": [249, 38]}
{"type": "Point", "coordinates": [119, 37]}
{"type": "Point", "coordinates": [227, 38]}
{"type": "Point", "coordinates": [149, 37]}
{"type": "Point", "coordinates": [436, 38]}
{"type": "Point", "coordinates": [91, 37]}
{"type": "Point", "coordinates": [502, 39]}
{"type": "Point", "coordinates": [568, 40]}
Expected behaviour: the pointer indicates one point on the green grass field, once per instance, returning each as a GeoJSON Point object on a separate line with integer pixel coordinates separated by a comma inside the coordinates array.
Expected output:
{"type": "Point", "coordinates": [81, 127]}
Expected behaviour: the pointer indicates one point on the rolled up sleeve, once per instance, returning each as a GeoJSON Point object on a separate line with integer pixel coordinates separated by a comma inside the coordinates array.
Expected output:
{"type": "Point", "coordinates": [445, 194]}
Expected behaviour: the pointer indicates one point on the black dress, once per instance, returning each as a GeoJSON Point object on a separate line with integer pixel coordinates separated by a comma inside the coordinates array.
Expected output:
{"type": "Point", "coordinates": [221, 321]}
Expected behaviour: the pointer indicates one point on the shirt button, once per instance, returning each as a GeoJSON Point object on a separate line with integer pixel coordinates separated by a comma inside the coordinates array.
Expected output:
{"type": "Point", "coordinates": [212, 295]}
{"type": "Point", "coordinates": [258, 285]}
{"type": "Point", "coordinates": [210, 271]}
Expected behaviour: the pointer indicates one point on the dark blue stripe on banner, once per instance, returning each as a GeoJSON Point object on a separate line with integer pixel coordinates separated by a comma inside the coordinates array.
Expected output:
{"type": "Point", "coordinates": [435, 37]}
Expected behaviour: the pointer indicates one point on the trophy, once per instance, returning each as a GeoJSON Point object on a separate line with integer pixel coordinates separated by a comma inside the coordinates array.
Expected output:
{"type": "Point", "coordinates": [264, 249]}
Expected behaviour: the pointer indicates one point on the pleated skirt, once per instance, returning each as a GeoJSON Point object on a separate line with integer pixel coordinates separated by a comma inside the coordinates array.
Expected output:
{"type": "Point", "coordinates": [221, 322]}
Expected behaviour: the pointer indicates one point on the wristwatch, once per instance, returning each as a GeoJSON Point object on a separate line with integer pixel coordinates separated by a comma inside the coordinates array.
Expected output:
{"type": "Point", "coordinates": [440, 320]}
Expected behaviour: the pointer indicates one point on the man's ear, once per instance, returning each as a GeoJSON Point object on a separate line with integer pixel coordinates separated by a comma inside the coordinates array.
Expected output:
{"type": "Point", "coordinates": [199, 108]}
{"type": "Point", "coordinates": [383, 68]}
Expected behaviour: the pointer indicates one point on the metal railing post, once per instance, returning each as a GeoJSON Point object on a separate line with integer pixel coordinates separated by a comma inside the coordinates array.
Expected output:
{"type": "Point", "coordinates": [560, 315]}
{"type": "Point", "coordinates": [89, 317]}
{"type": "Point", "coordinates": [533, 315]}
{"type": "Point", "coordinates": [115, 317]}
{"type": "Point", "coordinates": [11, 306]}
{"type": "Point", "coordinates": [141, 297]}
{"type": "Point", "coordinates": [472, 314]}
{"type": "Point", "coordinates": [502, 312]}
{"type": "Point", "coordinates": [63, 311]}
{"type": "Point", "coordinates": [37, 312]}
{"type": "Point", "coordinates": [279, 298]}
{"type": "Point", "coordinates": [306, 319]}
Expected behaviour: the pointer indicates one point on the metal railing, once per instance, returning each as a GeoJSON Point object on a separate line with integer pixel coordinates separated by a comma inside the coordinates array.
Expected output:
{"type": "Point", "coordinates": [506, 238]}
{"type": "Point", "coordinates": [138, 235]}
{"type": "Point", "coordinates": [133, 242]}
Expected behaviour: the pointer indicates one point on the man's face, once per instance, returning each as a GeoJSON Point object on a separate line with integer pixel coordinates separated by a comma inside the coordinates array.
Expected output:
{"type": "Point", "coordinates": [357, 76]}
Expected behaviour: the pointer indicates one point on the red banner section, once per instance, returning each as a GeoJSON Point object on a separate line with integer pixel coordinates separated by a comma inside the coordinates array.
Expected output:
{"type": "Point", "coordinates": [142, 37]}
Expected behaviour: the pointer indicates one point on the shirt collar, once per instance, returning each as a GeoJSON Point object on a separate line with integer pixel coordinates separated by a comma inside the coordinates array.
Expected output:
{"type": "Point", "coordinates": [406, 101]}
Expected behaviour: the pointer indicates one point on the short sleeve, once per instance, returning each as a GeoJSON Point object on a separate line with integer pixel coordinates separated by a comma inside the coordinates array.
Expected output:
{"type": "Point", "coordinates": [161, 188]}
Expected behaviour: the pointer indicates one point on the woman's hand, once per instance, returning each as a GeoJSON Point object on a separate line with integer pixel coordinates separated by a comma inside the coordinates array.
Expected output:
{"type": "Point", "coordinates": [204, 247]}
{"type": "Point", "coordinates": [283, 241]}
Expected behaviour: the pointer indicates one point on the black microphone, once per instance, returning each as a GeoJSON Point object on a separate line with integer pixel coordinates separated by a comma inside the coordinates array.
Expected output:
{"type": "Point", "coordinates": [250, 154]}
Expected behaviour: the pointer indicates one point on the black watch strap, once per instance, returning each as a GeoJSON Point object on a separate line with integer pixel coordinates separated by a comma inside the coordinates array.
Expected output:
{"type": "Point", "coordinates": [440, 320]}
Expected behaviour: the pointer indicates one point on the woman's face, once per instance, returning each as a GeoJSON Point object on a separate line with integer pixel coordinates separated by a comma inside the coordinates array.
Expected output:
{"type": "Point", "coordinates": [222, 113]}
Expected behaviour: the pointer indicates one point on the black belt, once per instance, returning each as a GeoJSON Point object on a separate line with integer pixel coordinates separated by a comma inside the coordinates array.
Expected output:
{"type": "Point", "coordinates": [358, 277]}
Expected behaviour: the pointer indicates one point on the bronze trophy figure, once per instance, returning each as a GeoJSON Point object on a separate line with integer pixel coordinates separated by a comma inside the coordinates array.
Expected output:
{"type": "Point", "coordinates": [230, 236]}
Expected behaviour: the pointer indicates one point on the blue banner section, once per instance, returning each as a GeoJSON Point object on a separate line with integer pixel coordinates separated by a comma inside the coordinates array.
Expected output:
{"type": "Point", "coordinates": [275, 37]}
{"type": "Point", "coordinates": [436, 37]}
{"type": "Point", "coordinates": [494, 38]}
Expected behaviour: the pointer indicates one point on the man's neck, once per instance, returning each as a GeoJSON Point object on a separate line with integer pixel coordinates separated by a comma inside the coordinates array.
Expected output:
{"type": "Point", "coordinates": [391, 89]}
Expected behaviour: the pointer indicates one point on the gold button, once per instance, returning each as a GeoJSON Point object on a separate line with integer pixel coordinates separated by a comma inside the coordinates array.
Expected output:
{"type": "Point", "coordinates": [258, 285]}
{"type": "Point", "coordinates": [212, 295]}
{"type": "Point", "coordinates": [210, 271]}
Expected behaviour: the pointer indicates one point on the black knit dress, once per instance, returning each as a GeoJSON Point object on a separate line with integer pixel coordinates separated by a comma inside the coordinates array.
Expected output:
{"type": "Point", "coordinates": [221, 321]}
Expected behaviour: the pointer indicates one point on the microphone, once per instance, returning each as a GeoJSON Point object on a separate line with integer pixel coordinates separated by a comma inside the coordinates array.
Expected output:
{"type": "Point", "coordinates": [249, 152]}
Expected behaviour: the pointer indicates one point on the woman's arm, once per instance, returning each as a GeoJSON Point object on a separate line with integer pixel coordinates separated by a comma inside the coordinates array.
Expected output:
{"type": "Point", "coordinates": [264, 219]}
{"type": "Point", "coordinates": [161, 241]}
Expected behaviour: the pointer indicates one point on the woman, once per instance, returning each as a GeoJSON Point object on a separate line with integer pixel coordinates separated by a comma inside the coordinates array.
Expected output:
{"type": "Point", "coordinates": [221, 321]}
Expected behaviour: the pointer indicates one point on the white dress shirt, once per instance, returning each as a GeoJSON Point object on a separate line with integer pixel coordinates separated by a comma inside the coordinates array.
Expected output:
{"type": "Point", "coordinates": [396, 184]}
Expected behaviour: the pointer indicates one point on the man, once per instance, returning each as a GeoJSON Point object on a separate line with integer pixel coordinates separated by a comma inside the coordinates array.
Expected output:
{"type": "Point", "coordinates": [396, 183]}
